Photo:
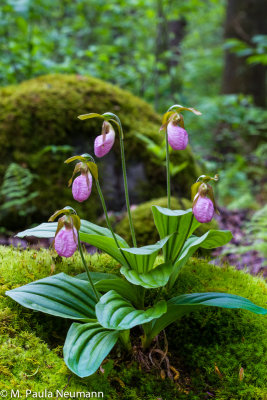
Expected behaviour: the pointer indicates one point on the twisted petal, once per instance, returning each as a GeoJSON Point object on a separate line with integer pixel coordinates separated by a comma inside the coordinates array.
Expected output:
{"type": "Point", "coordinates": [82, 186]}
{"type": "Point", "coordinates": [103, 144]}
{"type": "Point", "coordinates": [66, 242]}
{"type": "Point", "coordinates": [177, 136]}
{"type": "Point", "coordinates": [203, 209]}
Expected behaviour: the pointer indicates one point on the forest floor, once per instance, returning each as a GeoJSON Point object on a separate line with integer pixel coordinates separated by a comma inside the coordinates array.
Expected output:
{"type": "Point", "coordinates": [230, 220]}
{"type": "Point", "coordinates": [251, 260]}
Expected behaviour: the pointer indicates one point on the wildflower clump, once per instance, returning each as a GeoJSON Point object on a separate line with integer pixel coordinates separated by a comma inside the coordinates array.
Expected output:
{"type": "Point", "coordinates": [105, 307]}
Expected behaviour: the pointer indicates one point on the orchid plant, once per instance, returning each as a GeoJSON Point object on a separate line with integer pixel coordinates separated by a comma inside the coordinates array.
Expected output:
{"type": "Point", "coordinates": [105, 307]}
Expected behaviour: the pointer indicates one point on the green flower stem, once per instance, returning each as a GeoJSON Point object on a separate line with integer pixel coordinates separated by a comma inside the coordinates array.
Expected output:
{"type": "Point", "coordinates": [106, 212]}
{"type": "Point", "coordinates": [141, 299]}
{"type": "Point", "coordinates": [108, 221]}
{"type": "Point", "coordinates": [158, 295]}
{"type": "Point", "coordinates": [146, 339]}
{"type": "Point", "coordinates": [168, 170]}
{"type": "Point", "coordinates": [126, 184]}
{"type": "Point", "coordinates": [86, 268]}
{"type": "Point", "coordinates": [125, 339]}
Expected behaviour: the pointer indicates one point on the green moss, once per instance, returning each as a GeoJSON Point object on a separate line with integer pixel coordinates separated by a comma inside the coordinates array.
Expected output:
{"type": "Point", "coordinates": [31, 342]}
{"type": "Point", "coordinates": [43, 111]}
{"type": "Point", "coordinates": [225, 338]}
{"type": "Point", "coordinates": [144, 223]}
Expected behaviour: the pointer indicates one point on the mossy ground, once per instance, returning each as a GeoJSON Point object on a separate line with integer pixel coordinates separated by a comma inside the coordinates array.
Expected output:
{"type": "Point", "coordinates": [199, 345]}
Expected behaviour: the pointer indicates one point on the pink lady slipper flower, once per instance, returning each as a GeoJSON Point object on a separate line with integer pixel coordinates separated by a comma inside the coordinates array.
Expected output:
{"type": "Point", "coordinates": [82, 186]}
{"type": "Point", "coordinates": [66, 237]}
{"type": "Point", "coordinates": [104, 142]}
{"type": "Point", "coordinates": [177, 136]}
{"type": "Point", "coordinates": [66, 241]}
{"type": "Point", "coordinates": [203, 209]}
{"type": "Point", "coordinates": [204, 206]}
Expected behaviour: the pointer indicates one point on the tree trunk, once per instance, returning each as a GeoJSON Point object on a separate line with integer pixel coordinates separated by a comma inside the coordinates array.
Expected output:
{"type": "Point", "coordinates": [245, 19]}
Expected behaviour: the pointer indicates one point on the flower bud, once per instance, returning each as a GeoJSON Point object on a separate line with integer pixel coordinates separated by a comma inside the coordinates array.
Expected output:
{"type": "Point", "coordinates": [66, 241]}
{"type": "Point", "coordinates": [177, 136]}
{"type": "Point", "coordinates": [203, 209]}
{"type": "Point", "coordinates": [104, 142]}
{"type": "Point", "coordinates": [82, 186]}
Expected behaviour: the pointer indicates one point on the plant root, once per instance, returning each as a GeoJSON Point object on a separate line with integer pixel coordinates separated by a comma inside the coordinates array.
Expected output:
{"type": "Point", "coordinates": [156, 359]}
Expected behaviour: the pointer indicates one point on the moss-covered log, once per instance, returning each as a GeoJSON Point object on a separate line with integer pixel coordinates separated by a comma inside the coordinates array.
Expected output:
{"type": "Point", "coordinates": [43, 112]}
{"type": "Point", "coordinates": [209, 348]}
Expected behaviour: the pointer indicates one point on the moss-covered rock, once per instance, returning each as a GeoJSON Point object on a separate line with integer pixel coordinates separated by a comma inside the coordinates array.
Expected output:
{"type": "Point", "coordinates": [208, 347]}
{"type": "Point", "coordinates": [43, 112]}
{"type": "Point", "coordinates": [144, 223]}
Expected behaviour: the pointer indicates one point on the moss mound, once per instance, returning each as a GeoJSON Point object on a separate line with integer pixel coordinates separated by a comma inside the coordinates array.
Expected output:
{"type": "Point", "coordinates": [208, 348]}
{"type": "Point", "coordinates": [144, 223]}
{"type": "Point", "coordinates": [43, 111]}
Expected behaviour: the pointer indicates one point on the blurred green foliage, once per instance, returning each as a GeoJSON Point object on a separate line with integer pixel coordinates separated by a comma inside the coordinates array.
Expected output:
{"type": "Point", "coordinates": [202, 56]}
{"type": "Point", "coordinates": [163, 51]}
{"type": "Point", "coordinates": [255, 53]}
{"type": "Point", "coordinates": [230, 139]}
{"type": "Point", "coordinates": [15, 194]}
{"type": "Point", "coordinates": [158, 152]}
{"type": "Point", "coordinates": [129, 43]}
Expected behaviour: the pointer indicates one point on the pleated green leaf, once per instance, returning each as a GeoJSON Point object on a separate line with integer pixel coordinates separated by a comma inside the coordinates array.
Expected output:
{"type": "Point", "coordinates": [155, 278]}
{"type": "Point", "coordinates": [176, 222]}
{"type": "Point", "coordinates": [96, 276]}
{"type": "Point", "coordinates": [60, 295]}
{"type": "Point", "coordinates": [44, 230]}
{"type": "Point", "coordinates": [104, 243]}
{"type": "Point", "coordinates": [142, 259]}
{"type": "Point", "coordinates": [115, 312]}
{"type": "Point", "coordinates": [105, 282]}
{"type": "Point", "coordinates": [93, 229]}
{"type": "Point", "coordinates": [210, 240]}
{"type": "Point", "coordinates": [186, 303]}
{"type": "Point", "coordinates": [121, 286]}
{"type": "Point", "coordinates": [102, 239]}
{"type": "Point", "coordinates": [86, 346]}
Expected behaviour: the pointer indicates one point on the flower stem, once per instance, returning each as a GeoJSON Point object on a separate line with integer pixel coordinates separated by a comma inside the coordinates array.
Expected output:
{"type": "Point", "coordinates": [158, 295]}
{"type": "Point", "coordinates": [106, 212]}
{"type": "Point", "coordinates": [146, 339]}
{"type": "Point", "coordinates": [141, 297]}
{"type": "Point", "coordinates": [125, 339]}
{"type": "Point", "coordinates": [86, 268]}
{"type": "Point", "coordinates": [168, 170]}
{"type": "Point", "coordinates": [108, 221]}
{"type": "Point", "coordinates": [126, 184]}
